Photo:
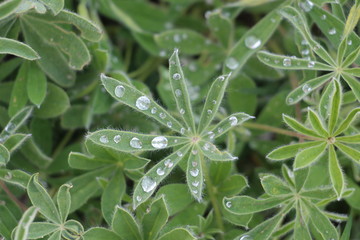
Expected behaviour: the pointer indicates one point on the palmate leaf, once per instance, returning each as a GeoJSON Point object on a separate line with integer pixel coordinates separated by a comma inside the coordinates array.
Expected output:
{"type": "Point", "coordinates": [13, 47]}
{"type": "Point", "coordinates": [154, 220]}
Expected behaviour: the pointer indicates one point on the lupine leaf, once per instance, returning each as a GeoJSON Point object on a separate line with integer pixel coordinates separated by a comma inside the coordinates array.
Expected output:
{"type": "Point", "coordinates": [233, 185]}
{"type": "Point", "coordinates": [4, 155]}
{"type": "Point", "coordinates": [214, 154]}
{"type": "Point", "coordinates": [274, 185]}
{"type": "Point", "coordinates": [326, 192]}
{"type": "Point", "coordinates": [347, 231]}
{"type": "Point", "coordinates": [149, 182]}
{"type": "Point", "coordinates": [353, 83]}
{"type": "Point", "coordinates": [345, 124]}
{"type": "Point", "coordinates": [324, 104]}
{"type": "Point", "coordinates": [335, 105]}
{"type": "Point", "coordinates": [17, 177]}
{"type": "Point", "coordinates": [100, 233]}
{"type": "Point", "coordinates": [336, 216]}
{"type": "Point", "coordinates": [301, 230]}
{"type": "Point", "coordinates": [289, 151]}
{"type": "Point", "coordinates": [38, 230]}
{"type": "Point", "coordinates": [180, 91]}
{"type": "Point", "coordinates": [194, 174]}
{"type": "Point", "coordinates": [140, 102]}
{"type": "Point", "coordinates": [213, 101]}
{"type": "Point", "coordinates": [306, 88]}
{"type": "Point", "coordinates": [55, 236]}
{"type": "Point", "coordinates": [353, 139]}
{"type": "Point", "coordinates": [15, 141]}
{"type": "Point", "coordinates": [317, 123]}
{"type": "Point", "coordinates": [63, 200]}
{"type": "Point", "coordinates": [349, 151]}
{"type": "Point", "coordinates": [154, 220]}
{"type": "Point", "coordinates": [19, 49]}
{"type": "Point", "coordinates": [351, 58]}
{"type": "Point", "coordinates": [124, 225]}
{"type": "Point", "coordinates": [36, 84]}
{"type": "Point", "coordinates": [8, 7]}
{"type": "Point", "coordinates": [309, 156]}
{"type": "Point", "coordinates": [291, 63]}
{"type": "Point", "coordinates": [221, 27]}
{"type": "Point", "coordinates": [19, 97]}
{"type": "Point", "coordinates": [22, 229]}
{"type": "Point", "coordinates": [336, 175]}
{"type": "Point", "coordinates": [15, 123]}
{"type": "Point", "coordinates": [177, 233]}
{"type": "Point", "coordinates": [299, 127]}
{"type": "Point", "coordinates": [55, 5]}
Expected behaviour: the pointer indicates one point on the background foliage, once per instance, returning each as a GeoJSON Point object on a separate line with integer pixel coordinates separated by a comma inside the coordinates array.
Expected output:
{"type": "Point", "coordinates": [172, 119]}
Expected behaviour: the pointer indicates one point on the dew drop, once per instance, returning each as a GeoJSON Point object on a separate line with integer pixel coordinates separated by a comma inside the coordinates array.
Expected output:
{"type": "Point", "coordinates": [305, 52]}
{"type": "Point", "coordinates": [148, 184]}
{"type": "Point", "coordinates": [194, 172]}
{"type": "Point", "coordinates": [195, 191]}
{"type": "Point", "coordinates": [206, 147]}
{"type": "Point", "coordinates": [332, 31]}
{"type": "Point", "coordinates": [232, 63]}
{"type": "Point", "coordinates": [194, 152]}
{"type": "Point", "coordinates": [178, 93]}
{"type": "Point", "coordinates": [290, 100]}
{"type": "Point", "coordinates": [182, 112]}
{"type": "Point", "coordinates": [168, 163]}
{"type": "Point", "coordinates": [349, 42]}
{"type": "Point", "coordinates": [159, 142]}
{"type": "Point", "coordinates": [180, 154]}
{"type": "Point", "coordinates": [195, 184]}
{"type": "Point", "coordinates": [10, 127]}
{"type": "Point", "coordinates": [176, 76]}
{"type": "Point", "coordinates": [287, 62]}
{"type": "Point", "coordinates": [177, 38]}
{"type": "Point", "coordinates": [214, 101]}
{"type": "Point", "coordinates": [209, 111]}
{"type": "Point", "coordinates": [306, 5]}
{"type": "Point", "coordinates": [162, 115]}
{"type": "Point", "coordinates": [169, 124]}
{"type": "Point", "coordinates": [136, 143]}
{"type": "Point", "coordinates": [119, 91]}
{"type": "Point", "coordinates": [194, 164]}
{"type": "Point", "coordinates": [153, 110]}
{"type": "Point", "coordinates": [233, 120]}
{"type": "Point", "coordinates": [228, 204]}
{"type": "Point", "coordinates": [117, 138]}
{"type": "Point", "coordinates": [182, 130]}
{"type": "Point", "coordinates": [245, 237]}
{"type": "Point", "coordinates": [8, 176]}
{"type": "Point", "coordinates": [252, 42]}
{"type": "Point", "coordinates": [104, 139]}
{"type": "Point", "coordinates": [138, 198]}
{"type": "Point", "coordinates": [323, 17]}
{"type": "Point", "coordinates": [311, 64]}
{"type": "Point", "coordinates": [160, 171]}
{"type": "Point", "coordinates": [220, 130]}
{"type": "Point", "coordinates": [143, 103]}
{"type": "Point", "coordinates": [211, 135]}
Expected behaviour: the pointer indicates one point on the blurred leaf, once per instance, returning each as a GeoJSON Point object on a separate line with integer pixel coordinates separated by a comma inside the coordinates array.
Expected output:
{"type": "Point", "coordinates": [10, 46]}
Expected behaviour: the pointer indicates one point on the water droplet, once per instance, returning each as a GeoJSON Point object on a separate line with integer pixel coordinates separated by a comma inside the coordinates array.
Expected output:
{"type": "Point", "coordinates": [306, 88]}
{"type": "Point", "coordinates": [311, 64]}
{"type": "Point", "coordinates": [117, 138]}
{"type": "Point", "coordinates": [136, 143]}
{"type": "Point", "coordinates": [211, 135]}
{"type": "Point", "coordinates": [10, 127]}
{"type": "Point", "coordinates": [194, 152]}
{"type": "Point", "coordinates": [349, 42]}
{"type": "Point", "coordinates": [287, 62]}
{"type": "Point", "coordinates": [228, 204]}
{"type": "Point", "coordinates": [119, 91]}
{"type": "Point", "coordinates": [168, 163]}
{"type": "Point", "coordinates": [182, 130]}
{"type": "Point", "coordinates": [220, 130]}
{"type": "Point", "coordinates": [316, 47]}
{"type": "Point", "coordinates": [138, 198]}
{"type": "Point", "coordinates": [160, 171]}
{"type": "Point", "coordinates": [233, 120]}
{"type": "Point", "coordinates": [176, 76]}
{"type": "Point", "coordinates": [182, 112]}
{"type": "Point", "coordinates": [194, 164]}
{"type": "Point", "coordinates": [245, 237]}
{"type": "Point", "coordinates": [178, 93]}
{"type": "Point", "coordinates": [214, 101]}
{"type": "Point", "coordinates": [307, 5]}
{"type": "Point", "coordinates": [194, 172]}
{"type": "Point", "coordinates": [192, 67]}
{"type": "Point", "coordinates": [304, 42]}
{"type": "Point", "coordinates": [143, 103]}
{"type": "Point", "coordinates": [180, 154]}
{"type": "Point", "coordinates": [177, 38]}
{"type": "Point", "coordinates": [195, 184]}
{"type": "Point", "coordinates": [169, 124]}
{"type": "Point", "coordinates": [162, 115]}
{"type": "Point", "coordinates": [195, 191]}
{"type": "Point", "coordinates": [104, 139]}
{"type": "Point", "coordinates": [162, 53]}
{"type": "Point", "coordinates": [209, 111]}
{"type": "Point", "coordinates": [232, 63]}
{"type": "Point", "coordinates": [148, 184]}
{"type": "Point", "coordinates": [8, 176]}
{"type": "Point", "coordinates": [290, 100]}
{"type": "Point", "coordinates": [305, 51]}
{"type": "Point", "coordinates": [206, 147]}
{"type": "Point", "coordinates": [159, 142]}
{"type": "Point", "coordinates": [323, 17]}
{"type": "Point", "coordinates": [153, 110]}
{"type": "Point", "coordinates": [252, 42]}
{"type": "Point", "coordinates": [332, 31]}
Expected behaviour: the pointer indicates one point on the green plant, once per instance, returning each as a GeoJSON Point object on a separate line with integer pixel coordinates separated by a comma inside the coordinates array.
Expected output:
{"type": "Point", "coordinates": [129, 119]}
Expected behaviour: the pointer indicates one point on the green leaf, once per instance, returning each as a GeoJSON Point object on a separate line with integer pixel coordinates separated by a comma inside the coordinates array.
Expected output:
{"type": "Point", "coordinates": [307, 87]}
{"type": "Point", "coordinates": [36, 84]}
{"type": "Point", "coordinates": [351, 58]}
{"type": "Point", "coordinates": [316, 123]}
{"type": "Point", "coordinates": [301, 229]}
{"type": "Point", "coordinates": [353, 83]}
{"type": "Point", "coordinates": [251, 42]}
{"type": "Point", "coordinates": [8, 7]}
{"type": "Point", "coordinates": [15, 141]}
{"type": "Point", "coordinates": [335, 105]}
{"type": "Point", "coordinates": [97, 233]}
{"type": "Point", "coordinates": [325, 100]}
{"type": "Point", "coordinates": [233, 185]}
{"type": "Point", "coordinates": [124, 225]}
{"type": "Point", "coordinates": [17, 177]}
{"type": "Point", "coordinates": [291, 63]}
{"type": "Point", "coordinates": [214, 154]}
{"type": "Point", "coordinates": [349, 151]}
{"type": "Point", "coordinates": [299, 127]}
{"type": "Point", "coordinates": [148, 183]}
{"type": "Point", "coordinates": [290, 151]}
{"type": "Point", "coordinates": [309, 155]}
{"type": "Point", "coordinates": [41, 199]}
{"type": "Point", "coordinates": [19, 97]}
{"type": "Point", "coordinates": [4, 155]}
{"type": "Point", "coordinates": [245, 204]}
{"type": "Point", "coordinates": [55, 103]}
{"type": "Point", "coordinates": [139, 101]}
{"type": "Point", "coordinates": [221, 27]}
{"type": "Point", "coordinates": [130, 142]}
{"type": "Point", "coordinates": [177, 233]}
{"type": "Point", "coordinates": [155, 219]}
{"type": "Point", "coordinates": [213, 101]}
{"type": "Point", "coordinates": [347, 231]}
{"type": "Point", "coordinates": [194, 174]}
{"type": "Point", "coordinates": [345, 124]}
{"type": "Point", "coordinates": [353, 139]}
{"type": "Point", "coordinates": [64, 201]}
{"type": "Point", "coordinates": [15, 123]}
{"type": "Point", "coordinates": [180, 91]}
{"type": "Point", "coordinates": [55, 5]}
{"type": "Point", "coordinates": [55, 236]}
{"type": "Point", "coordinates": [320, 193]}
{"type": "Point", "coordinates": [187, 41]}
{"type": "Point", "coordinates": [112, 195]}
{"type": "Point", "coordinates": [273, 185]}
{"type": "Point", "coordinates": [176, 196]}
{"type": "Point", "coordinates": [336, 175]}
{"type": "Point", "coordinates": [21, 232]}
{"type": "Point", "coordinates": [7, 221]}
{"type": "Point", "coordinates": [19, 49]}
{"type": "Point", "coordinates": [38, 230]}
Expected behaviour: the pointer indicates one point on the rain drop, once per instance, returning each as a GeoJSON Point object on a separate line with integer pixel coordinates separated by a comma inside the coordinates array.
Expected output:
{"type": "Point", "coordinates": [252, 42]}
{"type": "Point", "coordinates": [182, 112]}
{"type": "Point", "coordinates": [178, 93]}
{"type": "Point", "coordinates": [220, 130]}
{"type": "Point", "coordinates": [245, 237]}
{"type": "Point", "coordinates": [323, 17]}
{"type": "Point", "coordinates": [148, 184]}
{"type": "Point", "coordinates": [209, 111]}
{"type": "Point", "coordinates": [176, 76]}
{"type": "Point", "coordinates": [194, 152]}
{"type": "Point", "coordinates": [206, 147]}
{"type": "Point", "coordinates": [169, 124]}
{"type": "Point", "coordinates": [177, 38]}
{"type": "Point", "coordinates": [307, 5]}
{"type": "Point", "coordinates": [119, 91]}
{"type": "Point", "coordinates": [311, 64]}
{"type": "Point", "coordinates": [138, 198]}
{"type": "Point", "coordinates": [195, 184]}
{"type": "Point", "coordinates": [195, 191]}
{"type": "Point", "coordinates": [10, 127]}
{"type": "Point", "coordinates": [160, 171]}
{"type": "Point", "coordinates": [306, 88]}
{"type": "Point", "coordinates": [290, 100]}
{"type": "Point", "coordinates": [349, 42]}
{"type": "Point", "coordinates": [136, 143]}
{"type": "Point", "coordinates": [182, 130]}
{"type": "Point", "coordinates": [143, 103]}
{"type": "Point", "coordinates": [104, 139]}
{"type": "Point", "coordinates": [117, 138]}
{"type": "Point", "coordinates": [159, 142]}
{"type": "Point", "coordinates": [305, 51]}
{"type": "Point", "coordinates": [153, 110]}
{"type": "Point", "coordinates": [194, 172]}
{"type": "Point", "coordinates": [233, 120]}
{"type": "Point", "coordinates": [287, 62]}
{"type": "Point", "coordinates": [214, 101]}
{"type": "Point", "coordinates": [194, 164]}
{"type": "Point", "coordinates": [332, 31]}
{"type": "Point", "coordinates": [211, 135]}
{"type": "Point", "coordinates": [162, 115]}
{"type": "Point", "coordinates": [232, 63]}
{"type": "Point", "coordinates": [228, 204]}
{"type": "Point", "coordinates": [8, 176]}
{"type": "Point", "coordinates": [168, 163]}
{"type": "Point", "coordinates": [180, 154]}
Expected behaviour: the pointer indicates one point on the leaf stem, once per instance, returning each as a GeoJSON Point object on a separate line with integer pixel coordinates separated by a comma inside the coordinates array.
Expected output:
{"type": "Point", "coordinates": [12, 196]}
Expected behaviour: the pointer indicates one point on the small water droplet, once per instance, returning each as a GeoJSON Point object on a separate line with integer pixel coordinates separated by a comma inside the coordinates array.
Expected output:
{"type": "Point", "coordinates": [182, 112]}
{"type": "Point", "coordinates": [153, 110]}
{"type": "Point", "coordinates": [168, 163]}
{"type": "Point", "coordinates": [290, 100]}
{"type": "Point", "coordinates": [245, 237]}
{"type": "Point", "coordinates": [323, 17]}
{"type": "Point", "coordinates": [304, 42]}
{"type": "Point", "coordinates": [10, 127]}
{"type": "Point", "coordinates": [306, 5]}
{"type": "Point", "coordinates": [119, 91]}
{"type": "Point", "coordinates": [305, 51]}
{"type": "Point", "coordinates": [148, 184]}
{"type": "Point", "coordinates": [160, 171]}
{"type": "Point", "coordinates": [228, 204]}
{"type": "Point", "coordinates": [206, 147]}
{"type": "Point", "coordinates": [162, 115]}
{"type": "Point", "coordinates": [117, 138]}
{"type": "Point", "coordinates": [349, 42]}
{"type": "Point", "coordinates": [136, 143]}
{"type": "Point", "coordinates": [159, 142]}
{"type": "Point", "coordinates": [182, 130]}
{"type": "Point", "coordinates": [194, 152]}
{"type": "Point", "coordinates": [232, 63]}
{"type": "Point", "coordinates": [211, 135]}
{"type": "Point", "coordinates": [214, 101]}
{"type": "Point", "coordinates": [209, 111]}
{"type": "Point", "coordinates": [311, 64]}
{"type": "Point", "coordinates": [252, 42]}
{"type": "Point", "coordinates": [177, 38]}
{"type": "Point", "coordinates": [143, 103]}
{"type": "Point", "coordinates": [194, 164]}
{"type": "Point", "coordinates": [233, 120]}
{"type": "Point", "coordinates": [8, 176]}
{"type": "Point", "coordinates": [287, 62]}
{"type": "Point", "coordinates": [332, 31]}
{"type": "Point", "coordinates": [220, 130]}
{"type": "Point", "coordinates": [138, 198]}
{"type": "Point", "coordinates": [104, 139]}
{"type": "Point", "coordinates": [195, 191]}
{"type": "Point", "coordinates": [180, 154]}
{"type": "Point", "coordinates": [169, 124]}
{"type": "Point", "coordinates": [176, 76]}
{"type": "Point", "coordinates": [178, 93]}
{"type": "Point", "coordinates": [195, 184]}
{"type": "Point", "coordinates": [306, 88]}
{"type": "Point", "coordinates": [162, 53]}
{"type": "Point", "coordinates": [194, 172]}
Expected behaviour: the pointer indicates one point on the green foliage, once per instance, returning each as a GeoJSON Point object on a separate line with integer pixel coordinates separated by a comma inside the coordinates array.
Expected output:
{"type": "Point", "coordinates": [132, 120]}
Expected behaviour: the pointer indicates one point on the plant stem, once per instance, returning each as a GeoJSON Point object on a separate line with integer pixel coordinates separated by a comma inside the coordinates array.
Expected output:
{"type": "Point", "coordinates": [12, 196]}
{"type": "Point", "coordinates": [210, 190]}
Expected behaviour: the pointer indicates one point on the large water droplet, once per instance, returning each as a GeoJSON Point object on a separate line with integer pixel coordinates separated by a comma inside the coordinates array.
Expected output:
{"type": "Point", "coordinates": [178, 93]}
{"type": "Point", "coordinates": [194, 172]}
{"type": "Point", "coordinates": [306, 5]}
{"type": "Point", "coordinates": [143, 103]}
{"type": "Point", "coordinates": [159, 142]}
{"type": "Point", "coordinates": [104, 139]}
{"type": "Point", "coordinates": [252, 42]}
{"type": "Point", "coordinates": [117, 138]}
{"type": "Point", "coordinates": [119, 91]}
{"type": "Point", "coordinates": [176, 76]}
{"type": "Point", "coordinates": [10, 127]}
{"type": "Point", "coordinates": [148, 184]}
{"type": "Point", "coordinates": [136, 143]}
{"type": "Point", "coordinates": [233, 120]}
{"type": "Point", "coordinates": [332, 31]}
{"type": "Point", "coordinates": [168, 163]}
{"type": "Point", "coordinates": [232, 63]}
{"type": "Point", "coordinates": [160, 171]}
{"type": "Point", "coordinates": [228, 204]}
{"type": "Point", "coordinates": [306, 88]}
{"type": "Point", "coordinates": [287, 62]}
